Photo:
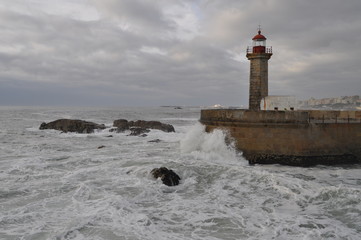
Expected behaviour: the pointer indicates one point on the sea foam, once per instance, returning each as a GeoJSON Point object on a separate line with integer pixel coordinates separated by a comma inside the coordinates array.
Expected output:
{"type": "Point", "coordinates": [61, 186]}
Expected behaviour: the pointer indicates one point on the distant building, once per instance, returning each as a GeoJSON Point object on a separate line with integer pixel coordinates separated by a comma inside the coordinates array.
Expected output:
{"type": "Point", "coordinates": [344, 102]}
{"type": "Point", "coordinates": [279, 103]}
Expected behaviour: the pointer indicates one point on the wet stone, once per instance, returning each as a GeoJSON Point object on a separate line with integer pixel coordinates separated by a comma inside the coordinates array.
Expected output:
{"type": "Point", "coordinates": [167, 176]}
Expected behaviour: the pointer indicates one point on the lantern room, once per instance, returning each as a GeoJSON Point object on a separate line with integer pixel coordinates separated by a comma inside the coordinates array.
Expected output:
{"type": "Point", "coordinates": [259, 43]}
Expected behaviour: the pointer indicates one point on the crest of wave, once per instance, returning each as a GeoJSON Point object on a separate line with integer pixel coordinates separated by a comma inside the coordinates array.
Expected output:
{"type": "Point", "coordinates": [208, 146]}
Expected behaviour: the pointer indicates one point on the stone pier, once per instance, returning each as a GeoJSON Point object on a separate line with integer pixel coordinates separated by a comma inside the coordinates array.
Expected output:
{"type": "Point", "coordinates": [300, 138]}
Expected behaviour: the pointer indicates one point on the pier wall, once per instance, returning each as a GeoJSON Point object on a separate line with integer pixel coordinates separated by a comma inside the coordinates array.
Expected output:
{"type": "Point", "coordinates": [291, 137]}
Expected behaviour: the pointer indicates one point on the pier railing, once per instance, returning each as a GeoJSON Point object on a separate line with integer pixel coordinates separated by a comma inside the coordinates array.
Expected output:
{"type": "Point", "coordinates": [266, 50]}
{"type": "Point", "coordinates": [281, 117]}
{"type": "Point", "coordinates": [316, 116]}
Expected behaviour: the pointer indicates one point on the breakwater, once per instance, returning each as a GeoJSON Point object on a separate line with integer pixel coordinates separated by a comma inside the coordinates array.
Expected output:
{"type": "Point", "coordinates": [291, 137]}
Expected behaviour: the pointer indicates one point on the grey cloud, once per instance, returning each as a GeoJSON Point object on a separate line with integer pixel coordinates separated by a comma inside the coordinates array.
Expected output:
{"type": "Point", "coordinates": [145, 17]}
{"type": "Point", "coordinates": [60, 60]}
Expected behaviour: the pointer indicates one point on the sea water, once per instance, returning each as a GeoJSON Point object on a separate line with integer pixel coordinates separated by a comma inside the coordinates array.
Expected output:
{"type": "Point", "coordinates": [63, 186]}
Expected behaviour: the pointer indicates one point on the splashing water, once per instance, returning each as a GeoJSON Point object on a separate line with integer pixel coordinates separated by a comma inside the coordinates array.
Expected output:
{"type": "Point", "coordinates": [209, 146]}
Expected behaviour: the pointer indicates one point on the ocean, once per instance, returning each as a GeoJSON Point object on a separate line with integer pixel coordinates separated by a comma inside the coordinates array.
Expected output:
{"type": "Point", "coordinates": [62, 186]}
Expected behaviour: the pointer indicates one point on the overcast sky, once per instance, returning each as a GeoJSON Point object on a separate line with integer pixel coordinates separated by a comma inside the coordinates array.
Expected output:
{"type": "Point", "coordinates": [174, 52]}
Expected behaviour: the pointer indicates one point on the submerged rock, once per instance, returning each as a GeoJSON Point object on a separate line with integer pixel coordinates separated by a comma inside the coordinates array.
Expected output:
{"type": "Point", "coordinates": [71, 125]}
{"type": "Point", "coordinates": [138, 131]}
{"type": "Point", "coordinates": [167, 176]}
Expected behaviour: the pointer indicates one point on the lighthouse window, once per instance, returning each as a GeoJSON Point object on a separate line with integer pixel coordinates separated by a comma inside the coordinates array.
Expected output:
{"type": "Point", "coordinates": [259, 43]}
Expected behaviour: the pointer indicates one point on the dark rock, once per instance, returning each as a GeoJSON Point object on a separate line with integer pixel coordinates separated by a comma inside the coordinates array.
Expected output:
{"type": "Point", "coordinates": [155, 141]}
{"type": "Point", "coordinates": [121, 125]}
{"type": "Point", "coordinates": [167, 176]}
{"type": "Point", "coordinates": [70, 125]}
{"type": "Point", "coordinates": [43, 126]}
{"type": "Point", "coordinates": [152, 125]}
{"type": "Point", "coordinates": [136, 131]}
{"type": "Point", "coordinates": [118, 130]}
{"type": "Point", "coordinates": [109, 136]}
{"type": "Point", "coordinates": [100, 147]}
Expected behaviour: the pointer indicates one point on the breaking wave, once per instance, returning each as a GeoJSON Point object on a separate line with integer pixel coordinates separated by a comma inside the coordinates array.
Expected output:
{"type": "Point", "coordinates": [212, 146]}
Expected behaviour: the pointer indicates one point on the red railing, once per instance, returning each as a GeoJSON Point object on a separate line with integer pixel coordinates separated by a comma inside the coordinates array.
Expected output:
{"type": "Point", "coordinates": [252, 50]}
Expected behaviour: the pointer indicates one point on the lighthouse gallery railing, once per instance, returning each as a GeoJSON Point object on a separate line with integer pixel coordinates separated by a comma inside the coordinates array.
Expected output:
{"type": "Point", "coordinates": [267, 49]}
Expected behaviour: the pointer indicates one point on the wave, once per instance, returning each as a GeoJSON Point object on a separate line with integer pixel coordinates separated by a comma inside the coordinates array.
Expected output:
{"type": "Point", "coordinates": [211, 146]}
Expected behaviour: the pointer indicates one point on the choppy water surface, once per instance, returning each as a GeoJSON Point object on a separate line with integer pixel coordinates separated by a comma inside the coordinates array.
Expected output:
{"type": "Point", "coordinates": [61, 186]}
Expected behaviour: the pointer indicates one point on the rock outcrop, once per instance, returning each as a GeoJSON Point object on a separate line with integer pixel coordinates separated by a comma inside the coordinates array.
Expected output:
{"type": "Point", "coordinates": [138, 131]}
{"type": "Point", "coordinates": [152, 125]}
{"type": "Point", "coordinates": [71, 125]}
{"type": "Point", "coordinates": [122, 125]}
{"type": "Point", "coordinates": [167, 176]}
{"type": "Point", "coordinates": [136, 128]}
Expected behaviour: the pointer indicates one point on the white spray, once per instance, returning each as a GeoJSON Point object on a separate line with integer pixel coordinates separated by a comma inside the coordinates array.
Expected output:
{"type": "Point", "coordinates": [208, 146]}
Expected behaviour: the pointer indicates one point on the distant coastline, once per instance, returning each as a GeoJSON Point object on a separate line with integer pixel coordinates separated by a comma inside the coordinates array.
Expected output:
{"type": "Point", "coordinates": [337, 103]}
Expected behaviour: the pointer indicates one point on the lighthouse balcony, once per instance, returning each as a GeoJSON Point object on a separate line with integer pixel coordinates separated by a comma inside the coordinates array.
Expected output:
{"type": "Point", "coordinates": [259, 49]}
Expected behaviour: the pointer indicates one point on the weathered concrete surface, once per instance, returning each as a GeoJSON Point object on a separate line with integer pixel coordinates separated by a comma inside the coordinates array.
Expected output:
{"type": "Point", "coordinates": [334, 116]}
{"type": "Point", "coordinates": [291, 137]}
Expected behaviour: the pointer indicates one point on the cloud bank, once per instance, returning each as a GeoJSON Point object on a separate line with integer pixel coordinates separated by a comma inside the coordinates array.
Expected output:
{"type": "Point", "coordinates": [161, 52]}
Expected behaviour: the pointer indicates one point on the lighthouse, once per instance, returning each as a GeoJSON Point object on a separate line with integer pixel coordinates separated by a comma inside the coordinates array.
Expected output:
{"type": "Point", "coordinates": [258, 54]}
{"type": "Point", "coordinates": [270, 131]}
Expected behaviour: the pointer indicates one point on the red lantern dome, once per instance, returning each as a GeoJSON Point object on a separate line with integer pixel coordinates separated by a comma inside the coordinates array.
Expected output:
{"type": "Point", "coordinates": [259, 37]}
